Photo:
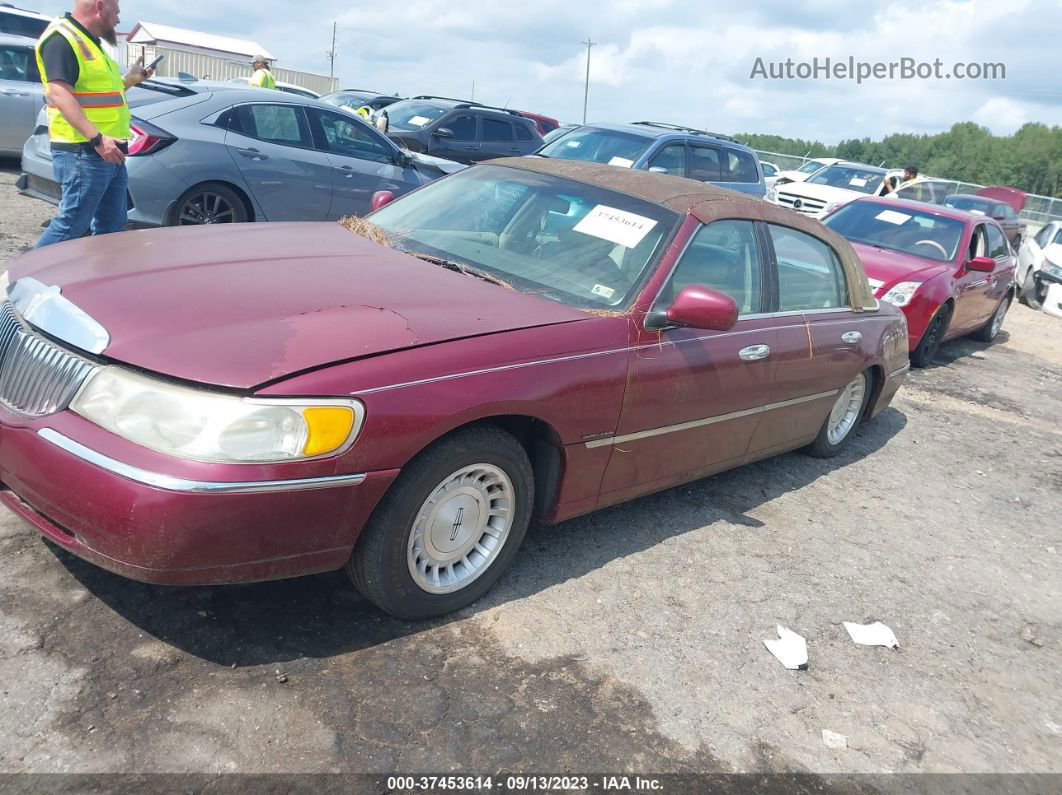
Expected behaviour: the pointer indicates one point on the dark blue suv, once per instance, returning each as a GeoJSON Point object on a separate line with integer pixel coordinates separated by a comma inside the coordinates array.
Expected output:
{"type": "Point", "coordinates": [664, 148]}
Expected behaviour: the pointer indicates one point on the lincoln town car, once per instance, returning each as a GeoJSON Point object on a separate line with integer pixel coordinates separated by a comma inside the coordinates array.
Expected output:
{"type": "Point", "coordinates": [399, 396]}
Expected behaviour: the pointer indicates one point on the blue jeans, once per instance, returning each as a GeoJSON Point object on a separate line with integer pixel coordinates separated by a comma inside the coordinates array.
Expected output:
{"type": "Point", "coordinates": [94, 197]}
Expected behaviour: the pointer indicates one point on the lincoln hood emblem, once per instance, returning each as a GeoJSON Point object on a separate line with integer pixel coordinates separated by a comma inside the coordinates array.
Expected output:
{"type": "Point", "coordinates": [47, 309]}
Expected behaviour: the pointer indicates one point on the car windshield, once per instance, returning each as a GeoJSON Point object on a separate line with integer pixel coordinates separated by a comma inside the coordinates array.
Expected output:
{"type": "Point", "coordinates": [598, 146]}
{"type": "Point", "coordinates": [567, 241]}
{"type": "Point", "coordinates": [971, 204]}
{"type": "Point", "coordinates": [412, 115]}
{"type": "Point", "coordinates": [898, 228]}
{"type": "Point", "coordinates": [810, 168]}
{"type": "Point", "coordinates": [354, 101]}
{"type": "Point", "coordinates": [863, 180]}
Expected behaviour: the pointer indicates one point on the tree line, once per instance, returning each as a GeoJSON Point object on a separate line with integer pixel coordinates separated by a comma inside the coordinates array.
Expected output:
{"type": "Point", "coordinates": [1030, 159]}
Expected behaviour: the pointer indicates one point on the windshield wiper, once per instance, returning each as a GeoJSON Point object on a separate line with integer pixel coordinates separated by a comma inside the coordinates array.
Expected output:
{"type": "Point", "coordinates": [459, 267]}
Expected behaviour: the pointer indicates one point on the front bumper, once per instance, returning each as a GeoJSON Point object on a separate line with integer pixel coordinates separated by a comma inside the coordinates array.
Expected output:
{"type": "Point", "coordinates": [199, 526]}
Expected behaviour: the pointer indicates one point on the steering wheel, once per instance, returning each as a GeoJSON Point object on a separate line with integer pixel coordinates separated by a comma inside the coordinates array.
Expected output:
{"type": "Point", "coordinates": [935, 244]}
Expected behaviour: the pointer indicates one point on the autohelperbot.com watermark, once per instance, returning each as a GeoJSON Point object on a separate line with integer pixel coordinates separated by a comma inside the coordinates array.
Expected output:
{"type": "Point", "coordinates": [849, 68]}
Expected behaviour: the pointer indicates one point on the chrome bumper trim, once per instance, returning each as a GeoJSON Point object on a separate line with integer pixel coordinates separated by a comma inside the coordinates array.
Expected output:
{"type": "Point", "coordinates": [170, 483]}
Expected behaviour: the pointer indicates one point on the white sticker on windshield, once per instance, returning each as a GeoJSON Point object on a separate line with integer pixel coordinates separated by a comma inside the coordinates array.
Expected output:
{"type": "Point", "coordinates": [419, 121]}
{"type": "Point", "coordinates": [621, 161]}
{"type": "Point", "coordinates": [615, 226]}
{"type": "Point", "coordinates": [573, 144]}
{"type": "Point", "coordinates": [893, 217]}
{"type": "Point", "coordinates": [604, 292]}
{"type": "Point", "coordinates": [859, 182]}
{"type": "Point", "coordinates": [978, 212]}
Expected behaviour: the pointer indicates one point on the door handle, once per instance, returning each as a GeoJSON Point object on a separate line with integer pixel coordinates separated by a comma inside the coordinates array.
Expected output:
{"type": "Point", "coordinates": [346, 171]}
{"type": "Point", "coordinates": [851, 337]}
{"type": "Point", "coordinates": [754, 353]}
{"type": "Point", "coordinates": [472, 148]}
{"type": "Point", "coordinates": [252, 153]}
{"type": "Point", "coordinates": [11, 92]}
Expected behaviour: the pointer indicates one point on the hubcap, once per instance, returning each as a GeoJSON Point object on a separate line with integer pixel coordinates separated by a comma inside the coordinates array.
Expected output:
{"type": "Point", "coordinates": [997, 321]}
{"type": "Point", "coordinates": [206, 208]}
{"type": "Point", "coordinates": [461, 528]}
{"type": "Point", "coordinates": [846, 410]}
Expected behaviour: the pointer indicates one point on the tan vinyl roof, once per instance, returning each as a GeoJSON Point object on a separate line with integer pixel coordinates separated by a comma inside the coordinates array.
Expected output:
{"type": "Point", "coordinates": [707, 203]}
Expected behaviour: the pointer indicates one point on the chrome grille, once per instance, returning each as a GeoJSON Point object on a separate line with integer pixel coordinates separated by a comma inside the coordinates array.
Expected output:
{"type": "Point", "coordinates": [807, 206]}
{"type": "Point", "coordinates": [37, 377]}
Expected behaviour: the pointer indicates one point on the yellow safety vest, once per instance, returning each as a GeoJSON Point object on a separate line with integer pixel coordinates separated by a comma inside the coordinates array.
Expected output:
{"type": "Point", "coordinates": [100, 88]}
{"type": "Point", "coordinates": [263, 78]}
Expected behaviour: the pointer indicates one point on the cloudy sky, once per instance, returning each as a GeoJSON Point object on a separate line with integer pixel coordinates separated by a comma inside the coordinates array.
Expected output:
{"type": "Point", "coordinates": [667, 60]}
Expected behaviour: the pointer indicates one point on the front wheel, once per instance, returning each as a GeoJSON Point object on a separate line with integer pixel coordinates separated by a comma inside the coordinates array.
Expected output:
{"type": "Point", "coordinates": [989, 330]}
{"type": "Point", "coordinates": [1033, 291]}
{"type": "Point", "coordinates": [845, 416]}
{"type": "Point", "coordinates": [449, 526]}
{"type": "Point", "coordinates": [926, 349]}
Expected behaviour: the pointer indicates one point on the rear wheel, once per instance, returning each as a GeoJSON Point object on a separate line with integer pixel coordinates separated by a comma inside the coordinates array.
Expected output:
{"type": "Point", "coordinates": [989, 330]}
{"type": "Point", "coordinates": [209, 203]}
{"type": "Point", "coordinates": [927, 347]}
{"type": "Point", "coordinates": [845, 416]}
{"type": "Point", "coordinates": [448, 527]}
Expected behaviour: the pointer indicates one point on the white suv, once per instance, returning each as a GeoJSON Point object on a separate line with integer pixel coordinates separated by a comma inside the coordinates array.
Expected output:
{"type": "Point", "coordinates": [830, 187]}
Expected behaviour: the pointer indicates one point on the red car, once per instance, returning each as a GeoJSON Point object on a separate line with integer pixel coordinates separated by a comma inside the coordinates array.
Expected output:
{"type": "Point", "coordinates": [951, 271]}
{"type": "Point", "coordinates": [544, 124]}
{"type": "Point", "coordinates": [541, 338]}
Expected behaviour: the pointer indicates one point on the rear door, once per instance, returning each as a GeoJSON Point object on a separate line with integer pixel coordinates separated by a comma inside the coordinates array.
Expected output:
{"type": "Point", "coordinates": [499, 138]}
{"type": "Point", "coordinates": [741, 172]}
{"type": "Point", "coordinates": [705, 163]}
{"type": "Point", "coordinates": [273, 147]}
{"type": "Point", "coordinates": [21, 96]}
{"type": "Point", "coordinates": [362, 160]}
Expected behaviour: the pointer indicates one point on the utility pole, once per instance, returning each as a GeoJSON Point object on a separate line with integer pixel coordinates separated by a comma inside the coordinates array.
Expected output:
{"type": "Point", "coordinates": [332, 55]}
{"type": "Point", "coordinates": [473, 90]}
{"type": "Point", "coordinates": [586, 89]}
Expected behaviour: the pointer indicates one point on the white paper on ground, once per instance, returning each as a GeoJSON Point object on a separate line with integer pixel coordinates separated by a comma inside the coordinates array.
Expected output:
{"type": "Point", "coordinates": [893, 217]}
{"type": "Point", "coordinates": [790, 649]}
{"type": "Point", "coordinates": [615, 226]}
{"type": "Point", "coordinates": [876, 634]}
{"type": "Point", "coordinates": [621, 161]}
{"type": "Point", "coordinates": [833, 740]}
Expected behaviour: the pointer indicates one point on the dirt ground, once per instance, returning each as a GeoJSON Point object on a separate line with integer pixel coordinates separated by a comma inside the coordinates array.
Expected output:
{"type": "Point", "coordinates": [629, 640]}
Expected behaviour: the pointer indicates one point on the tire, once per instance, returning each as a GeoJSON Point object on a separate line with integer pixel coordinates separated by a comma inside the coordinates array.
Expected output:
{"type": "Point", "coordinates": [989, 330]}
{"type": "Point", "coordinates": [411, 526]}
{"type": "Point", "coordinates": [212, 202]}
{"type": "Point", "coordinates": [1033, 293]}
{"type": "Point", "coordinates": [844, 418]}
{"type": "Point", "coordinates": [926, 350]}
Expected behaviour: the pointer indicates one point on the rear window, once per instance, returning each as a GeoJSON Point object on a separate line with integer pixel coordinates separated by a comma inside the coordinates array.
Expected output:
{"type": "Point", "coordinates": [969, 203]}
{"type": "Point", "coordinates": [149, 93]}
{"type": "Point", "coordinates": [18, 25]}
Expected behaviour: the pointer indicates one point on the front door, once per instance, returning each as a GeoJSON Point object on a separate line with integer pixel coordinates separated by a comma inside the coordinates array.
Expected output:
{"type": "Point", "coordinates": [694, 396]}
{"type": "Point", "coordinates": [363, 162]}
{"type": "Point", "coordinates": [972, 287]}
{"type": "Point", "coordinates": [463, 146]}
{"type": "Point", "coordinates": [272, 146]}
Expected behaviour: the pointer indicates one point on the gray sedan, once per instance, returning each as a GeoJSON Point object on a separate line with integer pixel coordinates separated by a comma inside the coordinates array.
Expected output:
{"type": "Point", "coordinates": [21, 92]}
{"type": "Point", "coordinates": [216, 153]}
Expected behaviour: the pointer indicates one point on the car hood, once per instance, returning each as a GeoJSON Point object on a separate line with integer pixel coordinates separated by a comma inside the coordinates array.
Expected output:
{"type": "Point", "coordinates": [442, 164]}
{"type": "Point", "coordinates": [792, 176]}
{"type": "Point", "coordinates": [242, 305]}
{"type": "Point", "coordinates": [890, 267]}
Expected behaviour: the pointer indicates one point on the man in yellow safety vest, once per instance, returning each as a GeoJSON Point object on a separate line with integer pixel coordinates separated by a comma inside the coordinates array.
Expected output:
{"type": "Point", "coordinates": [262, 77]}
{"type": "Point", "coordinates": [88, 120]}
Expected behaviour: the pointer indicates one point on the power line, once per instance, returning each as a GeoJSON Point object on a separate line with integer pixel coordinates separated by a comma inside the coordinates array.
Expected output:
{"type": "Point", "coordinates": [586, 88]}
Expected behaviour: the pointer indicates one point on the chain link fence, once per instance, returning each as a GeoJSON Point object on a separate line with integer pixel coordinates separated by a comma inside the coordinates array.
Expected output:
{"type": "Point", "coordinates": [1039, 210]}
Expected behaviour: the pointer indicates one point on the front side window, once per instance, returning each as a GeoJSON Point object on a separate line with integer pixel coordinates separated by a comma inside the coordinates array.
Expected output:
{"type": "Point", "coordinates": [495, 130]}
{"type": "Point", "coordinates": [705, 164]}
{"type": "Point", "coordinates": [18, 64]}
{"type": "Point", "coordinates": [598, 146]}
{"type": "Point", "coordinates": [809, 272]}
{"type": "Point", "coordinates": [725, 257]}
{"type": "Point", "coordinates": [463, 127]}
{"type": "Point", "coordinates": [279, 124]}
{"type": "Point", "coordinates": [672, 158]}
{"type": "Point", "coordinates": [898, 228]}
{"type": "Point", "coordinates": [742, 166]}
{"type": "Point", "coordinates": [997, 244]}
{"type": "Point", "coordinates": [562, 240]}
{"type": "Point", "coordinates": [350, 138]}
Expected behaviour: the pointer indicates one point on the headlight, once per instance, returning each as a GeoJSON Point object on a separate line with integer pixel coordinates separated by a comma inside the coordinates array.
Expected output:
{"type": "Point", "coordinates": [829, 208]}
{"type": "Point", "coordinates": [1051, 268]}
{"type": "Point", "coordinates": [772, 194]}
{"type": "Point", "coordinates": [207, 426]}
{"type": "Point", "coordinates": [902, 293]}
{"type": "Point", "coordinates": [5, 280]}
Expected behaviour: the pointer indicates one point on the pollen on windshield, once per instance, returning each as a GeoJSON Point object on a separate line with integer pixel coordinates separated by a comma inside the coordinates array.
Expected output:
{"type": "Point", "coordinates": [366, 229]}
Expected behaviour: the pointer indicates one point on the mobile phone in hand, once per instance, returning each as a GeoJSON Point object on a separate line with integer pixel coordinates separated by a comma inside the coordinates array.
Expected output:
{"type": "Point", "coordinates": [155, 63]}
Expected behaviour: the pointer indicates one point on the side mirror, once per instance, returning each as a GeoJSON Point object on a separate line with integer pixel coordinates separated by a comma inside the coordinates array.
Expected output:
{"type": "Point", "coordinates": [699, 307]}
{"type": "Point", "coordinates": [982, 264]}
{"type": "Point", "coordinates": [443, 132]}
{"type": "Point", "coordinates": [999, 216]}
{"type": "Point", "coordinates": [381, 199]}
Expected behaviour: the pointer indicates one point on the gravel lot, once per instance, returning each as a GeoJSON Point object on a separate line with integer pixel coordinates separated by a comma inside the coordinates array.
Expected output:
{"type": "Point", "coordinates": [629, 640]}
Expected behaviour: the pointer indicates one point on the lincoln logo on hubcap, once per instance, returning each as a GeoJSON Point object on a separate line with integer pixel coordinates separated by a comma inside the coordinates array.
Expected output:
{"type": "Point", "coordinates": [457, 524]}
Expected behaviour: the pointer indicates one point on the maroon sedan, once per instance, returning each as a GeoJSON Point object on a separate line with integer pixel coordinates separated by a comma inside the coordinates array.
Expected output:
{"type": "Point", "coordinates": [951, 271]}
{"type": "Point", "coordinates": [541, 338]}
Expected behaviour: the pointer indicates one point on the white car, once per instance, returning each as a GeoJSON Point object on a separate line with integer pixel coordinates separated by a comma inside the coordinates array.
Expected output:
{"type": "Point", "coordinates": [770, 173]}
{"type": "Point", "coordinates": [829, 188]}
{"type": "Point", "coordinates": [805, 171]}
{"type": "Point", "coordinates": [1039, 275]}
{"type": "Point", "coordinates": [290, 88]}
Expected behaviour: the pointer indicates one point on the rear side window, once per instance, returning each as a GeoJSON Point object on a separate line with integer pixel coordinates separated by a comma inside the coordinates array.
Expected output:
{"type": "Point", "coordinates": [997, 244]}
{"type": "Point", "coordinates": [809, 272]}
{"type": "Point", "coordinates": [523, 133]}
{"type": "Point", "coordinates": [279, 124]}
{"type": "Point", "coordinates": [18, 64]}
{"type": "Point", "coordinates": [704, 164]}
{"type": "Point", "coordinates": [495, 130]}
{"type": "Point", "coordinates": [742, 166]}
